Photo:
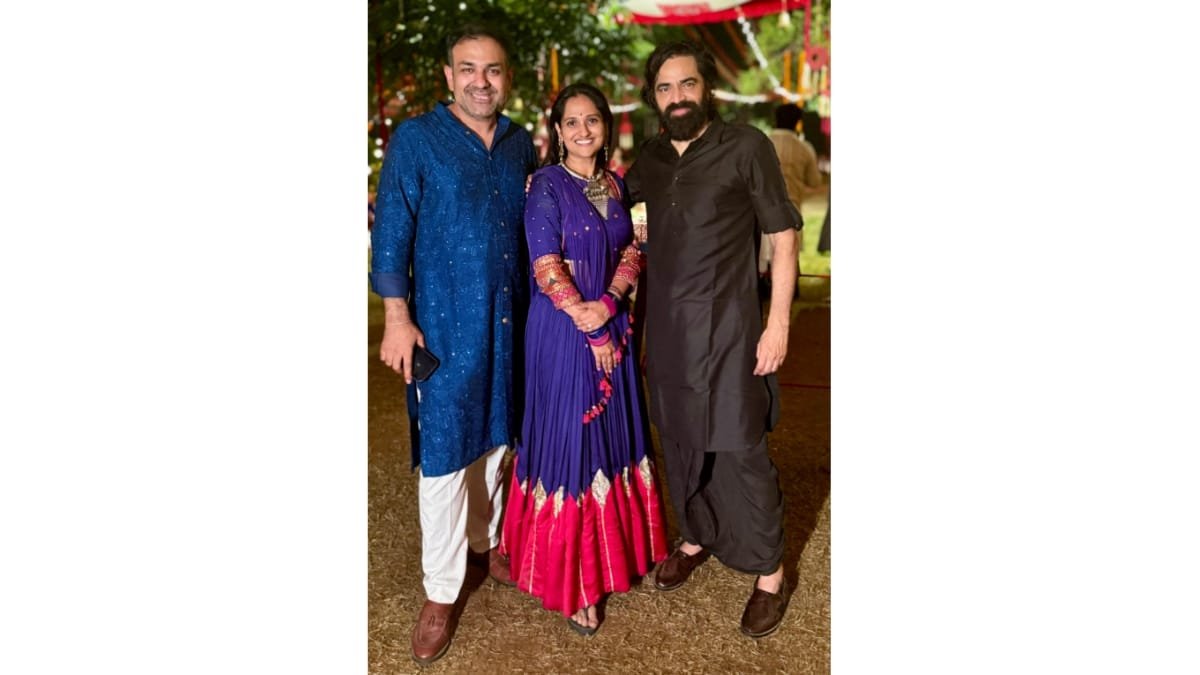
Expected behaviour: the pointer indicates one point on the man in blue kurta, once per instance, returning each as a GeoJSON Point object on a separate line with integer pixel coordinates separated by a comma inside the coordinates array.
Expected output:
{"type": "Point", "coordinates": [447, 260]}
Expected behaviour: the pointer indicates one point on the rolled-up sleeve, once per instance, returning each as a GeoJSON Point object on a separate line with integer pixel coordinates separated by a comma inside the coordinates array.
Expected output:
{"type": "Point", "coordinates": [395, 217]}
{"type": "Point", "coordinates": [772, 208]}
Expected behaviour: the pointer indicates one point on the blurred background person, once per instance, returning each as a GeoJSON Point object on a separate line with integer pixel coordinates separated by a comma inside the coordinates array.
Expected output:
{"type": "Point", "coordinates": [798, 160]}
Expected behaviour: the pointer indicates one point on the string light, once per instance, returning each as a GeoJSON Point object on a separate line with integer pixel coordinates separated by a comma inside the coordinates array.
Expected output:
{"type": "Point", "coordinates": [762, 60]}
{"type": "Point", "coordinates": [730, 96]}
{"type": "Point", "coordinates": [740, 98]}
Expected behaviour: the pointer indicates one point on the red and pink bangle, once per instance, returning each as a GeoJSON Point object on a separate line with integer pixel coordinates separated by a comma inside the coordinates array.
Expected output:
{"type": "Point", "coordinates": [610, 303]}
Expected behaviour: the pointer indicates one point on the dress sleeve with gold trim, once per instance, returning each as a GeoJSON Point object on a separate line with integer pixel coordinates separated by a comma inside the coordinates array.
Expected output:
{"type": "Point", "coordinates": [633, 261]}
{"type": "Point", "coordinates": [554, 280]}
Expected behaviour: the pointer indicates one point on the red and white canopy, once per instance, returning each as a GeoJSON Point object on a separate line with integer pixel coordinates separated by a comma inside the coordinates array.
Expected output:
{"type": "Point", "coordinates": [706, 11]}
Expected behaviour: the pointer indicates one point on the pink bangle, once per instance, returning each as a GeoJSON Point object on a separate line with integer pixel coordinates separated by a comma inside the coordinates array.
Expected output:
{"type": "Point", "coordinates": [599, 341]}
{"type": "Point", "coordinates": [610, 304]}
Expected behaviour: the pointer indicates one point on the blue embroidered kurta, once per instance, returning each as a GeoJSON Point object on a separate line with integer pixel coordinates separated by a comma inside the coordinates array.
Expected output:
{"type": "Point", "coordinates": [448, 235]}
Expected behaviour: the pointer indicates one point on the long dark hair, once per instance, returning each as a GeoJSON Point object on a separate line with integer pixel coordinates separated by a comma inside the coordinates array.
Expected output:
{"type": "Point", "coordinates": [556, 115]}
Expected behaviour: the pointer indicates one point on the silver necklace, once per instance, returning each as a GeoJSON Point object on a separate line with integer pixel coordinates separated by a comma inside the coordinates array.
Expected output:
{"type": "Point", "coordinates": [596, 189]}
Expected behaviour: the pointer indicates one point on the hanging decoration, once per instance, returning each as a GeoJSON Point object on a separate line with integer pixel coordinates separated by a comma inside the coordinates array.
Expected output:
{"type": "Point", "coordinates": [818, 57]}
{"type": "Point", "coordinates": [762, 60]}
{"type": "Point", "coordinates": [625, 132]}
{"type": "Point", "coordinates": [679, 12]}
{"type": "Point", "coordinates": [805, 84]}
{"type": "Point", "coordinates": [553, 71]}
{"type": "Point", "coordinates": [787, 70]}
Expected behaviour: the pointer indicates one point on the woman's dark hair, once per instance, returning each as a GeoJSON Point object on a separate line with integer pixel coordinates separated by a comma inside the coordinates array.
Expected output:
{"type": "Point", "coordinates": [556, 115]}
{"type": "Point", "coordinates": [704, 63]}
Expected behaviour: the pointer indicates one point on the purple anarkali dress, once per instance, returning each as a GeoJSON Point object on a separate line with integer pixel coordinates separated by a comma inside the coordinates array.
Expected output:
{"type": "Point", "coordinates": [584, 514]}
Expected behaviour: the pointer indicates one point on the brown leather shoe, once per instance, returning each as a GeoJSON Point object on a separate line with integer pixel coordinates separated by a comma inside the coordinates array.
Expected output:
{"type": "Point", "coordinates": [497, 565]}
{"type": "Point", "coordinates": [431, 636]}
{"type": "Point", "coordinates": [676, 569]}
{"type": "Point", "coordinates": [764, 611]}
{"type": "Point", "coordinates": [498, 568]}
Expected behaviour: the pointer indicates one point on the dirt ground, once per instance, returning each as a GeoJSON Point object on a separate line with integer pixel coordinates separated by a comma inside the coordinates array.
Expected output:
{"type": "Point", "coordinates": [693, 629]}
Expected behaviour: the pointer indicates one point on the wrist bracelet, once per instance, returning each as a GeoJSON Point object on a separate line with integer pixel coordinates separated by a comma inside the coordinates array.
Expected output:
{"type": "Point", "coordinates": [609, 303]}
{"type": "Point", "coordinates": [397, 323]}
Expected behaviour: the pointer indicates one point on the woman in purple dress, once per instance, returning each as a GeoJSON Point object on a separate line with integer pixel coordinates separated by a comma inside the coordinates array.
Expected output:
{"type": "Point", "coordinates": [584, 513]}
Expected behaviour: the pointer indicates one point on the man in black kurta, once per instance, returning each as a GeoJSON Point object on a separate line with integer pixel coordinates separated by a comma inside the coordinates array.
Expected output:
{"type": "Point", "coordinates": [710, 188]}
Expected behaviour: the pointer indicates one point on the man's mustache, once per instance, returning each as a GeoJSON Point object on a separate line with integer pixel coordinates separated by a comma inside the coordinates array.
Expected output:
{"type": "Point", "coordinates": [682, 105]}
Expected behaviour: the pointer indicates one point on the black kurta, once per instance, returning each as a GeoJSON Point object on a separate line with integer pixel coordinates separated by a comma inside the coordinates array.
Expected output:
{"type": "Point", "coordinates": [703, 318]}
{"type": "Point", "coordinates": [703, 322]}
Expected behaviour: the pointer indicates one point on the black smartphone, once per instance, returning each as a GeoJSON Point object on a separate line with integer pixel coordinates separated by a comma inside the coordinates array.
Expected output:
{"type": "Point", "coordinates": [423, 363]}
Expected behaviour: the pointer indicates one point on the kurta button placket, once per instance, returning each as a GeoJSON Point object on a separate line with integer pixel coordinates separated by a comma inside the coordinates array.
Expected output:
{"type": "Point", "coordinates": [445, 166]}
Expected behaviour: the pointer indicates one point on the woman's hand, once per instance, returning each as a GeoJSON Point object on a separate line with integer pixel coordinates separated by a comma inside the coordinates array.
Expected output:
{"type": "Point", "coordinates": [606, 357]}
{"type": "Point", "coordinates": [590, 315]}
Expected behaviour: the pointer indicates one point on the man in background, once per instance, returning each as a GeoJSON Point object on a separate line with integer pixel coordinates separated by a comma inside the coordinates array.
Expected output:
{"type": "Point", "coordinates": [798, 160]}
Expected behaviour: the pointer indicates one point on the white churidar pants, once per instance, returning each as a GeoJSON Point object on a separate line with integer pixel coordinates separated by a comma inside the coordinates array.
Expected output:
{"type": "Point", "coordinates": [458, 509]}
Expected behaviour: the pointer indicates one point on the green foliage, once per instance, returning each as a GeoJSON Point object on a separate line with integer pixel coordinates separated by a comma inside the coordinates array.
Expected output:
{"type": "Point", "coordinates": [813, 212]}
{"type": "Point", "coordinates": [820, 23]}
{"type": "Point", "coordinates": [407, 51]}
{"type": "Point", "coordinates": [774, 38]}
{"type": "Point", "coordinates": [408, 39]}
{"type": "Point", "coordinates": [753, 81]}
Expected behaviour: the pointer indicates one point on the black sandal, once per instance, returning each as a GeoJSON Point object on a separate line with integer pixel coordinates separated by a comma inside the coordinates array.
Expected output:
{"type": "Point", "coordinates": [580, 628]}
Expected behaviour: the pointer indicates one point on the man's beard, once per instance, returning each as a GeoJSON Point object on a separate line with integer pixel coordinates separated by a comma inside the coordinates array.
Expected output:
{"type": "Point", "coordinates": [480, 111]}
{"type": "Point", "coordinates": [687, 126]}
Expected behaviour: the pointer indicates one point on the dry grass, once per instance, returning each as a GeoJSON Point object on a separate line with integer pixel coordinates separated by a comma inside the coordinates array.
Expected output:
{"type": "Point", "coordinates": [693, 629]}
